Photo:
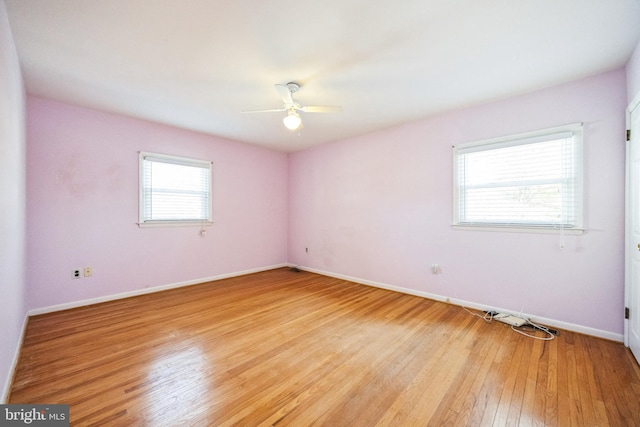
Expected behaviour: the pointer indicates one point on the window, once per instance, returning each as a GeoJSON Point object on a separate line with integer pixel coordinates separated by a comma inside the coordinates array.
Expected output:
{"type": "Point", "coordinates": [526, 181]}
{"type": "Point", "coordinates": [174, 190]}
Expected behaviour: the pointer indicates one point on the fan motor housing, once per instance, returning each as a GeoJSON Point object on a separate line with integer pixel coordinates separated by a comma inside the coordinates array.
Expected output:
{"type": "Point", "coordinates": [293, 87]}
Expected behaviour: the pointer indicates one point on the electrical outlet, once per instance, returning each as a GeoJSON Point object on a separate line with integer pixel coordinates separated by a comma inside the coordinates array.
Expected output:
{"type": "Point", "coordinates": [76, 273]}
{"type": "Point", "coordinates": [88, 272]}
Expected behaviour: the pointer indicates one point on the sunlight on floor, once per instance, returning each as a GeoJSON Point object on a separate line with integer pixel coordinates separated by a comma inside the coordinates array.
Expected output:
{"type": "Point", "coordinates": [178, 382]}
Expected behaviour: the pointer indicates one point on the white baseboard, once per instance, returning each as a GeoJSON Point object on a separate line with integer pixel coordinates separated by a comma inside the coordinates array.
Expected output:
{"type": "Point", "coordinates": [537, 319]}
{"type": "Point", "coordinates": [113, 297]}
{"type": "Point", "coordinates": [14, 362]}
{"type": "Point", "coordinates": [469, 304]}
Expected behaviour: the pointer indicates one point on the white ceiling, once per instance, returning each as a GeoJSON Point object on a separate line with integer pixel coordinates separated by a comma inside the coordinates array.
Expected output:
{"type": "Point", "coordinates": [197, 64]}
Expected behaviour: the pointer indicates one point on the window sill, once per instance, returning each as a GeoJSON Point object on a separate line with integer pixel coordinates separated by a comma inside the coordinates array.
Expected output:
{"type": "Point", "coordinates": [175, 224]}
{"type": "Point", "coordinates": [520, 229]}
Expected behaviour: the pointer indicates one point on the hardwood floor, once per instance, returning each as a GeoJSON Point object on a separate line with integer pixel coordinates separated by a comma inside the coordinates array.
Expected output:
{"type": "Point", "coordinates": [287, 348]}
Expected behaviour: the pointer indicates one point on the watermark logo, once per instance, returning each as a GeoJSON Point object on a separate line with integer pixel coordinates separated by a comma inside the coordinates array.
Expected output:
{"type": "Point", "coordinates": [34, 415]}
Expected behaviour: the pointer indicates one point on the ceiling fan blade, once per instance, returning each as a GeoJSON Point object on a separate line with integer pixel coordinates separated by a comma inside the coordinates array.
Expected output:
{"type": "Point", "coordinates": [321, 109]}
{"type": "Point", "coordinates": [273, 110]}
{"type": "Point", "coordinates": [285, 94]}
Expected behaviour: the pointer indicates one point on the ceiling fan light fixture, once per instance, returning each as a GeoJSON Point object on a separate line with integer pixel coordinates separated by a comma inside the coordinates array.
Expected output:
{"type": "Point", "coordinates": [292, 121]}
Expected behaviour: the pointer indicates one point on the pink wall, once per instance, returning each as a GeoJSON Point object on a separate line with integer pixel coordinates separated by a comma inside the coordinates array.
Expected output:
{"type": "Point", "coordinates": [633, 75]}
{"type": "Point", "coordinates": [83, 205]}
{"type": "Point", "coordinates": [379, 208]}
{"type": "Point", "coordinates": [12, 202]}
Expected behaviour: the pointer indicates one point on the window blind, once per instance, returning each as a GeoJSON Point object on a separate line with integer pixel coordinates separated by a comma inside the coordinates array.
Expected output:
{"type": "Point", "coordinates": [174, 189]}
{"type": "Point", "coordinates": [530, 181]}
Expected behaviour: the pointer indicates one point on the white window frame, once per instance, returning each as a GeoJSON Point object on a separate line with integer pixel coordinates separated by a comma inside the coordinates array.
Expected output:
{"type": "Point", "coordinates": [164, 158]}
{"type": "Point", "coordinates": [576, 227]}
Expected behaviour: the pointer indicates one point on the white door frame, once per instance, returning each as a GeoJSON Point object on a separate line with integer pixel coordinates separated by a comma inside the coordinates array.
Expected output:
{"type": "Point", "coordinates": [635, 103]}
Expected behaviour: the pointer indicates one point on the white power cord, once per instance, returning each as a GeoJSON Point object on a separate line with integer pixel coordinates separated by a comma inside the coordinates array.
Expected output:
{"type": "Point", "coordinates": [540, 327]}
{"type": "Point", "coordinates": [489, 315]}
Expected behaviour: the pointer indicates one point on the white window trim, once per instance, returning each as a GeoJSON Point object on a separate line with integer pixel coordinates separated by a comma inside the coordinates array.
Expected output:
{"type": "Point", "coordinates": [142, 155]}
{"type": "Point", "coordinates": [523, 138]}
{"type": "Point", "coordinates": [520, 229]}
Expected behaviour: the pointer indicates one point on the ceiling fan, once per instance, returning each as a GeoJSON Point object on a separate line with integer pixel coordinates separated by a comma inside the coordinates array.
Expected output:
{"type": "Point", "coordinates": [293, 121]}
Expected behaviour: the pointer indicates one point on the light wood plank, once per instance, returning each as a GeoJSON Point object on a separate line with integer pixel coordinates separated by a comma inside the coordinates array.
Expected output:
{"type": "Point", "coordinates": [295, 348]}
